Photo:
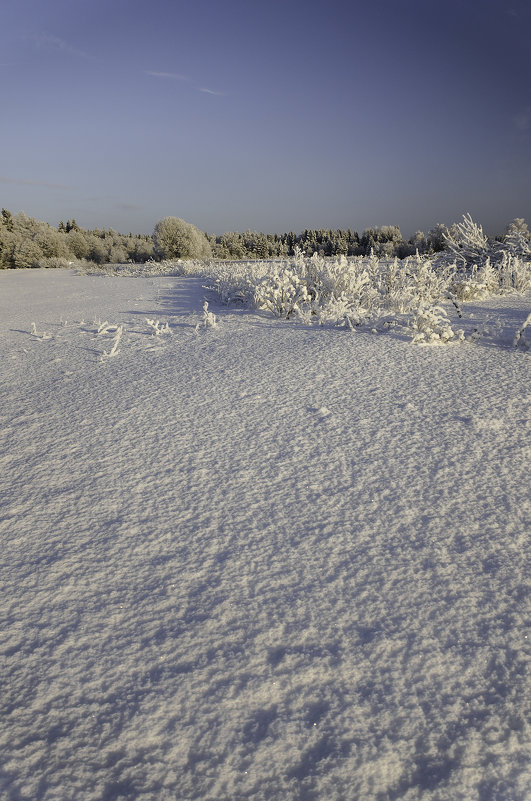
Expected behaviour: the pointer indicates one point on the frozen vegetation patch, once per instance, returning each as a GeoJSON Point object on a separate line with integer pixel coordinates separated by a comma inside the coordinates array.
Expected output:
{"type": "Point", "coordinates": [421, 297]}
{"type": "Point", "coordinates": [418, 294]}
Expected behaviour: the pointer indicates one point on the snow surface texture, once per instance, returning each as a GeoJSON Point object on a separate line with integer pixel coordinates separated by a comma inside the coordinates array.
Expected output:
{"type": "Point", "coordinates": [244, 558]}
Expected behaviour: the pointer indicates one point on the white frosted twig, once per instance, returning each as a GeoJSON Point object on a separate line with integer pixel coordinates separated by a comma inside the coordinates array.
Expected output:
{"type": "Point", "coordinates": [209, 318]}
{"type": "Point", "coordinates": [114, 350]}
{"type": "Point", "coordinates": [519, 338]}
{"type": "Point", "coordinates": [158, 328]}
{"type": "Point", "coordinates": [106, 328]}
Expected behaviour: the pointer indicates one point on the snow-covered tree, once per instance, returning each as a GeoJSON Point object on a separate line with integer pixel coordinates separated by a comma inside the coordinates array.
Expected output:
{"type": "Point", "coordinates": [517, 237]}
{"type": "Point", "coordinates": [176, 239]}
{"type": "Point", "coordinates": [466, 242]}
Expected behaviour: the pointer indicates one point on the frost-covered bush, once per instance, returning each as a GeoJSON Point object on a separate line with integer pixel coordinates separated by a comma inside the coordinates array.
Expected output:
{"type": "Point", "coordinates": [477, 284]}
{"type": "Point", "coordinates": [466, 242]}
{"type": "Point", "coordinates": [283, 293]}
{"type": "Point", "coordinates": [510, 274]}
{"type": "Point", "coordinates": [351, 292]}
{"type": "Point", "coordinates": [429, 283]}
{"type": "Point", "coordinates": [316, 289]}
{"type": "Point", "coordinates": [514, 273]}
{"type": "Point", "coordinates": [517, 238]}
{"type": "Point", "coordinates": [431, 325]}
{"type": "Point", "coordinates": [509, 261]}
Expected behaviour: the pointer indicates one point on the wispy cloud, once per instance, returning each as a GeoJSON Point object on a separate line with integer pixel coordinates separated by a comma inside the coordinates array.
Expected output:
{"type": "Point", "coordinates": [211, 92]}
{"type": "Point", "coordinates": [174, 76]}
{"type": "Point", "coordinates": [5, 179]}
{"type": "Point", "coordinates": [50, 42]}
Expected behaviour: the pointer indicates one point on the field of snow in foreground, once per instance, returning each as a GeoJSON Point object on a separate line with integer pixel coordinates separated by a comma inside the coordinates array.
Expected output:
{"type": "Point", "coordinates": [260, 560]}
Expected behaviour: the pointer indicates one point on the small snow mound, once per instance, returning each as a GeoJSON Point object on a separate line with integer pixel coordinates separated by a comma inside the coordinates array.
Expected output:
{"type": "Point", "coordinates": [320, 411]}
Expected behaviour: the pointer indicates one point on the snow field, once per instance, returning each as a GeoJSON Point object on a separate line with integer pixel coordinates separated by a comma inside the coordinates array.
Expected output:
{"type": "Point", "coordinates": [259, 560]}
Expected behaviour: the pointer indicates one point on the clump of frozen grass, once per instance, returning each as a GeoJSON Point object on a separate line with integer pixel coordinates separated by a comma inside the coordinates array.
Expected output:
{"type": "Point", "coordinates": [41, 336]}
{"type": "Point", "coordinates": [477, 285]}
{"type": "Point", "coordinates": [114, 350]}
{"type": "Point", "coordinates": [432, 326]}
{"type": "Point", "coordinates": [158, 329]}
{"type": "Point", "coordinates": [520, 340]}
{"type": "Point", "coordinates": [208, 320]}
{"type": "Point", "coordinates": [514, 273]}
{"type": "Point", "coordinates": [235, 282]}
{"type": "Point", "coordinates": [169, 267]}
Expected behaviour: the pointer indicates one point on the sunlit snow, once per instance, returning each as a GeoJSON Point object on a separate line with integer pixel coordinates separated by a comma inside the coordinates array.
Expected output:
{"type": "Point", "coordinates": [245, 558]}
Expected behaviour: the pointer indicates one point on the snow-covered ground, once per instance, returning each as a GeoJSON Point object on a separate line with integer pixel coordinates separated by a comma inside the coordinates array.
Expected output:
{"type": "Point", "coordinates": [260, 560]}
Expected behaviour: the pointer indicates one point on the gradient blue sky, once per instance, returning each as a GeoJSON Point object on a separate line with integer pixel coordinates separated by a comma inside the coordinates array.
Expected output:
{"type": "Point", "coordinates": [272, 116]}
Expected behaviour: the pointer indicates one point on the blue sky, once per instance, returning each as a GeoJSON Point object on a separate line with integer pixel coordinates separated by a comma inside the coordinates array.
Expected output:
{"type": "Point", "coordinates": [269, 116]}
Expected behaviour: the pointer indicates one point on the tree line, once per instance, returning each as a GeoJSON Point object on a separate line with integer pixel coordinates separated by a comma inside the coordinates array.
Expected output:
{"type": "Point", "coordinates": [384, 241]}
{"type": "Point", "coordinates": [26, 242]}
